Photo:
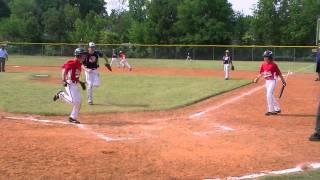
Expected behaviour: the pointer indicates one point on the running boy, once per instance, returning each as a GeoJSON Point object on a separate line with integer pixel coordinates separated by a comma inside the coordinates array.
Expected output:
{"type": "Point", "coordinates": [71, 71]}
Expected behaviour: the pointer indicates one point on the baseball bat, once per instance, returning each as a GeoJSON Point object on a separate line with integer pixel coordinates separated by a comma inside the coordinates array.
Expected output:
{"type": "Point", "coordinates": [283, 86]}
{"type": "Point", "coordinates": [281, 91]}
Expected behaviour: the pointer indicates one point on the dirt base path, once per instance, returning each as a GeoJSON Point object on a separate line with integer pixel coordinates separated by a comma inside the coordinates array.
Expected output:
{"type": "Point", "coordinates": [227, 135]}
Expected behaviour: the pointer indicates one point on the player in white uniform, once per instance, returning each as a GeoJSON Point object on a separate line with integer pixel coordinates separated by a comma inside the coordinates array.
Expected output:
{"type": "Point", "coordinates": [90, 65]}
{"type": "Point", "coordinates": [71, 71]}
{"type": "Point", "coordinates": [227, 63]}
{"type": "Point", "coordinates": [123, 60]}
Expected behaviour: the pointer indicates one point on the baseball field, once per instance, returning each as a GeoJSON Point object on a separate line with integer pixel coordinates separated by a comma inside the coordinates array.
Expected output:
{"type": "Point", "coordinates": [165, 119]}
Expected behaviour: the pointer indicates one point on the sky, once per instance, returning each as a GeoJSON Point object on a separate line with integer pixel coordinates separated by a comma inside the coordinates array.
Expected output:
{"type": "Point", "coordinates": [243, 6]}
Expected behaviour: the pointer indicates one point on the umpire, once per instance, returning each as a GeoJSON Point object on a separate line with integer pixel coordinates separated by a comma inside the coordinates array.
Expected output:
{"type": "Point", "coordinates": [318, 64]}
{"type": "Point", "coordinates": [3, 57]}
{"type": "Point", "coordinates": [316, 135]}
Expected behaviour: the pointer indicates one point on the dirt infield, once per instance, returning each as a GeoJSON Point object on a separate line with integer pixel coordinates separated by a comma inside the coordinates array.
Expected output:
{"type": "Point", "coordinates": [224, 136]}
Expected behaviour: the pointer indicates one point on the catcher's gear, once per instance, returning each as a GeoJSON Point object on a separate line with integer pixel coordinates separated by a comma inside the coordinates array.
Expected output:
{"type": "Point", "coordinates": [79, 51]}
{"type": "Point", "coordinates": [107, 65]}
{"type": "Point", "coordinates": [232, 67]}
{"type": "Point", "coordinates": [83, 85]}
{"type": "Point", "coordinates": [268, 54]}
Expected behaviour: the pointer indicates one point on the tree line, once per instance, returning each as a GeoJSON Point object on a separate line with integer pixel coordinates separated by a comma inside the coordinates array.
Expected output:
{"type": "Point", "coordinates": [274, 22]}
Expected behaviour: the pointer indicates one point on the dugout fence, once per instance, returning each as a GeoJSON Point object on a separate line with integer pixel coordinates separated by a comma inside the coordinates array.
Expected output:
{"type": "Point", "coordinates": [197, 52]}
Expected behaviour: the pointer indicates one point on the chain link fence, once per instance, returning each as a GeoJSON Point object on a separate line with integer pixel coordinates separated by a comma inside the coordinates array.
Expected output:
{"type": "Point", "coordinates": [197, 52]}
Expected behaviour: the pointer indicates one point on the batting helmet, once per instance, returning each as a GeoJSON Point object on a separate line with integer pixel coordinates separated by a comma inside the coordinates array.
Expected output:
{"type": "Point", "coordinates": [268, 54]}
{"type": "Point", "coordinates": [79, 51]}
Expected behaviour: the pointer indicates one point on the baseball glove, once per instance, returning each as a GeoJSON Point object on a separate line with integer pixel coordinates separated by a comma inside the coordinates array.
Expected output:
{"type": "Point", "coordinates": [107, 65]}
{"type": "Point", "coordinates": [83, 85]}
{"type": "Point", "coordinates": [232, 67]}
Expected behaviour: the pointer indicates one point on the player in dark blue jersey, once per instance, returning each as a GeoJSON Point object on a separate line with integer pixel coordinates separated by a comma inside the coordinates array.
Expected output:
{"type": "Point", "coordinates": [227, 63]}
{"type": "Point", "coordinates": [90, 66]}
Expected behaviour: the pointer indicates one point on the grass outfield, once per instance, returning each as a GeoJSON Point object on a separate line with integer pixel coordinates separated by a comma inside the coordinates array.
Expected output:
{"type": "Point", "coordinates": [119, 92]}
{"type": "Point", "coordinates": [305, 67]}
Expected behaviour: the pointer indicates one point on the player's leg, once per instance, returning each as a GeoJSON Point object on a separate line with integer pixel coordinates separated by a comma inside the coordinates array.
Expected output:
{"type": "Point", "coordinates": [96, 80]}
{"type": "Point", "coordinates": [76, 97]}
{"type": "Point", "coordinates": [2, 60]}
{"type": "Point", "coordinates": [316, 135]}
{"type": "Point", "coordinates": [128, 65]}
{"type": "Point", "coordinates": [112, 61]}
{"type": "Point", "coordinates": [226, 71]}
{"type": "Point", "coordinates": [4, 66]}
{"type": "Point", "coordinates": [89, 79]}
{"type": "Point", "coordinates": [121, 63]}
{"type": "Point", "coordinates": [270, 85]}
{"type": "Point", "coordinates": [66, 96]}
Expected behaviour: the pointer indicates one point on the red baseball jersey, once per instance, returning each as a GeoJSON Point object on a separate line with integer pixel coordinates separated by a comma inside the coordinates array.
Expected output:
{"type": "Point", "coordinates": [269, 70]}
{"type": "Point", "coordinates": [122, 56]}
{"type": "Point", "coordinates": [72, 70]}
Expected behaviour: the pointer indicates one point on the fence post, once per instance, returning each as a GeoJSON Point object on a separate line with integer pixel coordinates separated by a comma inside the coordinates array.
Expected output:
{"type": "Point", "coordinates": [252, 53]}
{"type": "Point", "coordinates": [213, 53]}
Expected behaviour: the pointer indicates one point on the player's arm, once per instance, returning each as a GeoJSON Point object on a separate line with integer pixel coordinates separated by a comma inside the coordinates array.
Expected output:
{"type": "Point", "coordinates": [85, 68]}
{"type": "Point", "coordinates": [281, 76]}
{"type": "Point", "coordinates": [259, 76]}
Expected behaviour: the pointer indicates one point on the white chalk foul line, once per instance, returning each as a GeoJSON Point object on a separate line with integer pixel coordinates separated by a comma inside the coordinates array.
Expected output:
{"type": "Point", "coordinates": [232, 100]}
{"type": "Point", "coordinates": [300, 168]}
{"type": "Point", "coordinates": [80, 126]}
{"type": "Point", "coordinates": [229, 101]}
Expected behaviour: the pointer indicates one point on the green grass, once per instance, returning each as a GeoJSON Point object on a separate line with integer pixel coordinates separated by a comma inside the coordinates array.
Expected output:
{"type": "Point", "coordinates": [305, 67]}
{"type": "Point", "coordinates": [117, 93]}
{"type": "Point", "coordinates": [312, 175]}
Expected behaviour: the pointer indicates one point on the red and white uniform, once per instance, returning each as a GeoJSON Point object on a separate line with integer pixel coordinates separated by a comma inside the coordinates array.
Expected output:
{"type": "Point", "coordinates": [123, 61]}
{"type": "Point", "coordinates": [72, 71]}
{"type": "Point", "coordinates": [270, 71]}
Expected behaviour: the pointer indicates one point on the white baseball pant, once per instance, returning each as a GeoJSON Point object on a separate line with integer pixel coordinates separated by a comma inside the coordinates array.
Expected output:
{"type": "Point", "coordinates": [272, 104]}
{"type": "Point", "coordinates": [72, 96]}
{"type": "Point", "coordinates": [226, 68]}
{"type": "Point", "coordinates": [93, 80]}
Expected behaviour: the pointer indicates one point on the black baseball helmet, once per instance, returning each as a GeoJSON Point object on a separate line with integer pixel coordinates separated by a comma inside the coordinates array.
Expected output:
{"type": "Point", "coordinates": [268, 54]}
{"type": "Point", "coordinates": [79, 51]}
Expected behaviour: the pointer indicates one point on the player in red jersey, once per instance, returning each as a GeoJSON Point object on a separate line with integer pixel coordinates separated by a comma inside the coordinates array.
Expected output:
{"type": "Point", "coordinates": [123, 60]}
{"type": "Point", "coordinates": [270, 71]}
{"type": "Point", "coordinates": [71, 71]}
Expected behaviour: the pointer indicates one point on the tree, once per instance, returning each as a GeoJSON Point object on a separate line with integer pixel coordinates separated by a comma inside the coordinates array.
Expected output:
{"type": "Point", "coordinates": [88, 29]}
{"type": "Point", "coordinates": [138, 9]}
{"type": "Point", "coordinates": [160, 23]}
{"type": "Point", "coordinates": [4, 9]}
{"type": "Point", "coordinates": [204, 22]}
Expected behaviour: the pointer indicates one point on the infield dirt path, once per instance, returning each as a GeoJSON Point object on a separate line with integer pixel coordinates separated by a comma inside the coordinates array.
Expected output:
{"type": "Point", "coordinates": [227, 135]}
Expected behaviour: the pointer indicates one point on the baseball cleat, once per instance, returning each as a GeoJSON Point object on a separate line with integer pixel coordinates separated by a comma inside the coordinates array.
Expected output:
{"type": "Point", "coordinates": [315, 137]}
{"type": "Point", "coordinates": [279, 111]}
{"type": "Point", "coordinates": [73, 120]}
{"type": "Point", "coordinates": [90, 103]}
{"type": "Point", "coordinates": [56, 96]}
{"type": "Point", "coordinates": [270, 113]}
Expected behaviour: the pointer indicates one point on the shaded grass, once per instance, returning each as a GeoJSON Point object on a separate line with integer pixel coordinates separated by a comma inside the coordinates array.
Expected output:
{"type": "Point", "coordinates": [118, 93]}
